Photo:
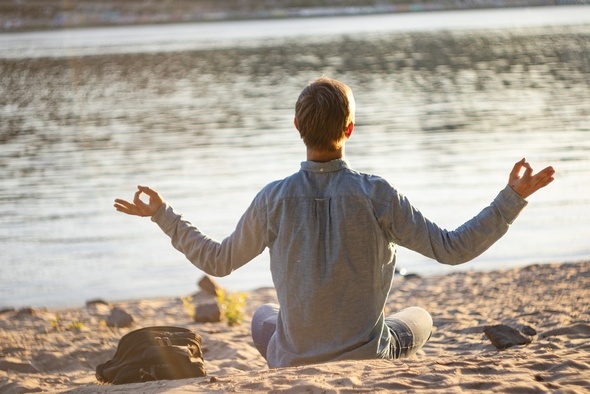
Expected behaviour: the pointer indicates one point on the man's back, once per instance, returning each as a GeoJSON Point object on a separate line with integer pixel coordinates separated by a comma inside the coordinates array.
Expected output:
{"type": "Point", "coordinates": [331, 264]}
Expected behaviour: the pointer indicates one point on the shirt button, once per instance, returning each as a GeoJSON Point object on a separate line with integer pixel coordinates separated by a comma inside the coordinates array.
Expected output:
{"type": "Point", "coordinates": [321, 170]}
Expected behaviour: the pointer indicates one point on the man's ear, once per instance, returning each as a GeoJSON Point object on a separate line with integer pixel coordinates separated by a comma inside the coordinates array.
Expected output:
{"type": "Point", "coordinates": [349, 130]}
{"type": "Point", "coordinates": [295, 123]}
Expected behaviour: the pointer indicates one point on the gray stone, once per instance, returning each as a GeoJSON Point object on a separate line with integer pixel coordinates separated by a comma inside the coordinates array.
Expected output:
{"type": "Point", "coordinates": [209, 286]}
{"type": "Point", "coordinates": [528, 330]}
{"type": "Point", "coordinates": [503, 336]}
{"type": "Point", "coordinates": [96, 301]}
{"type": "Point", "coordinates": [207, 313]}
{"type": "Point", "coordinates": [119, 318]}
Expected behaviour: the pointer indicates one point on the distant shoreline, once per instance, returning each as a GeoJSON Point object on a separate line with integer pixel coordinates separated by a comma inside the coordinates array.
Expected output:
{"type": "Point", "coordinates": [53, 14]}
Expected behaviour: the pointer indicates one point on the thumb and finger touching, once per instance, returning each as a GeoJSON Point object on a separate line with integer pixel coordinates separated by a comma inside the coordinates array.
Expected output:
{"type": "Point", "coordinates": [527, 183]}
{"type": "Point", "coordinates": [138, 207]}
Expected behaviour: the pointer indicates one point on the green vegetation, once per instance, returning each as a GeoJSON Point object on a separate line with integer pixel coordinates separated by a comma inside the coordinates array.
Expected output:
{"type": "Point", "coordinates": [59, 325]}
{"type": "Point", "coordinates": [232, 306]}
{"type": "Point", "coordinates": [188, 306]}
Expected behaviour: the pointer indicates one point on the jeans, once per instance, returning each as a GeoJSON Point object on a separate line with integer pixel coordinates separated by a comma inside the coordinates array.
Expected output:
{"type": "Point", "coordinates": [410, 329]}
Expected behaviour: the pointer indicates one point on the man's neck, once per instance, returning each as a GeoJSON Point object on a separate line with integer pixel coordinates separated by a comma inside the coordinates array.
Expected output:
{"type": "Point", "coordinates": [324, 156]}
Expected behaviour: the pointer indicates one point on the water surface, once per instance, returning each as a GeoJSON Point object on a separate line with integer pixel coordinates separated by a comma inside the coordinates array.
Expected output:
{"type": "Point", "coordinates": [441, 113]}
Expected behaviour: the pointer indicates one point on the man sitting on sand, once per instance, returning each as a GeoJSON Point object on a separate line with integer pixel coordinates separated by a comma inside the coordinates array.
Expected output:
{"type": "Point", "coordinates": [331, 232]}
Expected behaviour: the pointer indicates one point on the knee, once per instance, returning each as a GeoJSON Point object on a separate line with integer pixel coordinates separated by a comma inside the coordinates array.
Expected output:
{"type": "Point", "coordinates": [421, 315]}
{"type": "Point", "coordinates": [417, 319]}
{"type": "Point", "coordinates": [263, 312]}
{"type": "Point", "coordinates": [264, 323]}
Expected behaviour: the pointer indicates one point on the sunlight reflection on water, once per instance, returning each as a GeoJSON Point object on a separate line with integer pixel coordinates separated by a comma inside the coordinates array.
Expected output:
{"type": "Point", "coordinates": [442, 116]}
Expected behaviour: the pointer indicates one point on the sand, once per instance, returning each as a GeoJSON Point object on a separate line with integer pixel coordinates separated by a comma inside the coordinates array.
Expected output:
{"type": "Point", "coordinates": [58, 350]}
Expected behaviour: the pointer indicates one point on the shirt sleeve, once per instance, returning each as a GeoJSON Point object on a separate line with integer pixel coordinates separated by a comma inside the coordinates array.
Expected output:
{"type": "Point", "coordinates": [410, 229]}
{"type": "Point", "coordinates": [209, 255]}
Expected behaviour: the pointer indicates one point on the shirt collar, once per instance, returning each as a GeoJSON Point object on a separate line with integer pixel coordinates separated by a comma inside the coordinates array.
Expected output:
{"type": "Point", "coordinates": [329, 166]}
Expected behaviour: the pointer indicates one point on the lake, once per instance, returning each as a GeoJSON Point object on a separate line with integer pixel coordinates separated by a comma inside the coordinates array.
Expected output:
{"type": "Point", "coordinates": [446, 103]}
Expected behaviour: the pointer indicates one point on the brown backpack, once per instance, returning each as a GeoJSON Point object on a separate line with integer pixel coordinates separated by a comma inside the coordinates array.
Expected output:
{"type": "Point", "coordinates": [154, 353]}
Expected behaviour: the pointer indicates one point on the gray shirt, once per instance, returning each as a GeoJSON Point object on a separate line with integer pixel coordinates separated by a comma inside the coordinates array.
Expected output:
{"type": "Point", "coordinates": [331, 233]}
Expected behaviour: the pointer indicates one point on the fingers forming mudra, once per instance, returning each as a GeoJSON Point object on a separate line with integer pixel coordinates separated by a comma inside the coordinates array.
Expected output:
{"type": "Point", "coordinates": [137, 207]}
{"type": "Point", "coordinates": [528, 183]}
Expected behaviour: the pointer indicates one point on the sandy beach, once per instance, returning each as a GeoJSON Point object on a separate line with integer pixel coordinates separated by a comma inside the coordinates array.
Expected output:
{"type": "Point", "coordinates": [45, 350]}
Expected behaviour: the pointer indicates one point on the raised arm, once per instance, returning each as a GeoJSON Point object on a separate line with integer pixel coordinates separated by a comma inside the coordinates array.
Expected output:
{"type": "Point", "coordinates": [213, 257]}
{"type": "Point", "coordinates": [413, 230]}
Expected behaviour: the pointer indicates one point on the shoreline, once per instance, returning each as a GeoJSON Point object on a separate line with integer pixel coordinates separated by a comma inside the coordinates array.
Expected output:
{"type": "Point", "coordinates": [401, 274]}
{"type": "Point", "coordinates": [58, 350]}
{"type": "Point", "coordinates": [53, 15]}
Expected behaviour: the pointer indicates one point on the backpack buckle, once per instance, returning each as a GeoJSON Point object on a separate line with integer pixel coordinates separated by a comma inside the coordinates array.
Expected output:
{"type": "Point", "coordinates": [163, 341]}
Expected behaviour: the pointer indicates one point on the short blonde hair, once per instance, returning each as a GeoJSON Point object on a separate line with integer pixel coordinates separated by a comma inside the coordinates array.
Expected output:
{"type": "Point", "coordinates": [323, 113]}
